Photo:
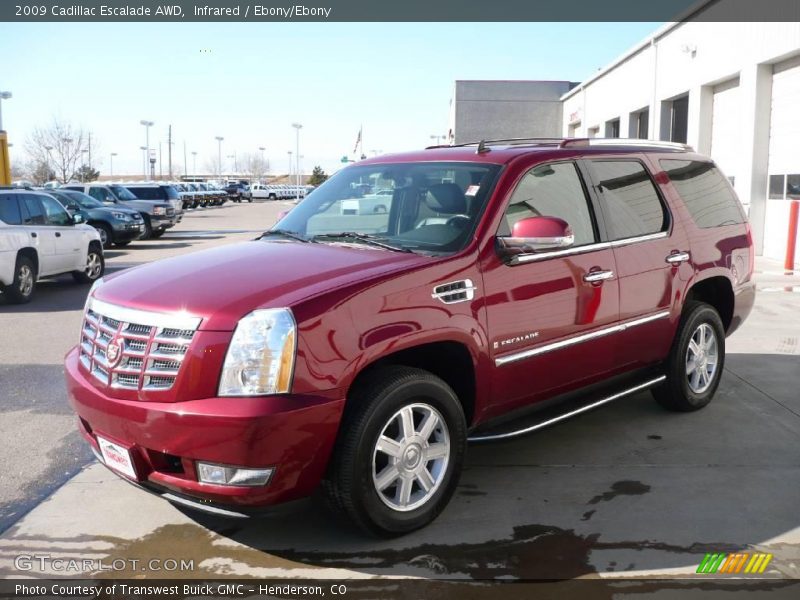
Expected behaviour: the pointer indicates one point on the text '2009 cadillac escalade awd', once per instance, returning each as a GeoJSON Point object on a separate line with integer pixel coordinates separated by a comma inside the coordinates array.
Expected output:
{"type": "Point", "coordinates": [410, 304]}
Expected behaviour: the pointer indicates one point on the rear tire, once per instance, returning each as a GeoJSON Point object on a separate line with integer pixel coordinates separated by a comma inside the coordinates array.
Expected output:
{"type": "Point", "coordinates": [157, 234]}
{"type": "Point", "coordinates": [695, 362]}
{"type": "Point", "coordinates": [148, 229]}
{"type": "Point", "coordinates": [122, 244]}
{"type": "Point", "coordinates": [24, 285]}
{"type": "Point", "coordinates": [95, 266]}
{"type": "Point", "coordinates": [389, 474]}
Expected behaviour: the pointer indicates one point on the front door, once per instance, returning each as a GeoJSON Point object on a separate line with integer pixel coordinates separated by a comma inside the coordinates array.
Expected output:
{"type": "Point", "coordinates": [550, 316]}
{"type": "Point", "coordinates": [68, 239]}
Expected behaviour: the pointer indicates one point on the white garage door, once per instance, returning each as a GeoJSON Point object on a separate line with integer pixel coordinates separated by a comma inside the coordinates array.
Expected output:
{"type": "Point", "coordinates": [784, 154]}
{"type": "Point", "coordinates": [726, 128]}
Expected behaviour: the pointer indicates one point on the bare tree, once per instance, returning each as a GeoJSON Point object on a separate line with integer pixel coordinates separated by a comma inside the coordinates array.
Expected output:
{"type": "Point", "coordinates": [59, 146]}
{"type": "Point", "coordinates": [254, 166]}
{"type": "Point", "coordinates": [212, 166]}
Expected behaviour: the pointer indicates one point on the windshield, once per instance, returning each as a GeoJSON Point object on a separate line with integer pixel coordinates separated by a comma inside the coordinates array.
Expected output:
{"type": "Point", "coordinates": [83, 200]}
{"type": "Point", "coordinates": [425, 207]}
{"type": "Point", "coordinates": [122, 193]}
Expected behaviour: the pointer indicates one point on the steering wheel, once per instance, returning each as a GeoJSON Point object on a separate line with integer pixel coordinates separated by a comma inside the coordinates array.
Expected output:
{"type": "Point", "coordinates": [459, 221]}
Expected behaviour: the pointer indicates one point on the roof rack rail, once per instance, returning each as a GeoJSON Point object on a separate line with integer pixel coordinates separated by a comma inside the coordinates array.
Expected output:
{"type": "Point", "coordinates": [583, 142]}
{"type": "Point", "coordinates": [509, 142]}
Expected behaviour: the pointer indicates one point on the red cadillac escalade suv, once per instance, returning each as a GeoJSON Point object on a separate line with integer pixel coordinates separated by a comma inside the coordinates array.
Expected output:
{"type": "Point", "coordinates": [412, 303]}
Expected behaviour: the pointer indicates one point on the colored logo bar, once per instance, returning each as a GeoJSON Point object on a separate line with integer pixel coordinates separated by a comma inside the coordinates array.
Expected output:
{"type": "Point", "coordinates": [737, 562]}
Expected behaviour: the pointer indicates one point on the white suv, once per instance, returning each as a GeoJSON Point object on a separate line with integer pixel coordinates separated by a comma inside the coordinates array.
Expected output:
{"type": "Point", "coordinates": [38, 238]}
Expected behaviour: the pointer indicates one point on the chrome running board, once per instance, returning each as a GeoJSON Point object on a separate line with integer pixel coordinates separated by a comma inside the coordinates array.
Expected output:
{"type": "Point", "coordinates": [512, 434]}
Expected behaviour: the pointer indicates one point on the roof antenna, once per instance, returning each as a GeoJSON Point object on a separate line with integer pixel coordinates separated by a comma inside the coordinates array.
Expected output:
{"type": "Point", "coordinates": [482, 148]}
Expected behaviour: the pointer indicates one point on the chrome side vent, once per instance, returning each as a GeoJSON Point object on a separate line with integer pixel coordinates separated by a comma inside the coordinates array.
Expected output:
{"type": "Point", "coordinates": [455, 291]}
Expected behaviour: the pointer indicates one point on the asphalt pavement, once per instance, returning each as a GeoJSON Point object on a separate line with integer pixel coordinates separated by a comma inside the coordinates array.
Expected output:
{"type": "Point", "coordinates": [629, 490]}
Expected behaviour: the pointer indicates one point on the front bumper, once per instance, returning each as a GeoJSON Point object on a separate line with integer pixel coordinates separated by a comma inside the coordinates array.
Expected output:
{"type": "Point", "coordinates": [158, 222]}
{"type": "Point", "coordinates": [124, 231]}
{"type": "Point", "coordinates": [292, 434]}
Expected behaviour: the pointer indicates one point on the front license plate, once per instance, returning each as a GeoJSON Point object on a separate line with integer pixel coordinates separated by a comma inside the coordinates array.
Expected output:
{"type": "Point", "coordinates": [116, 457]}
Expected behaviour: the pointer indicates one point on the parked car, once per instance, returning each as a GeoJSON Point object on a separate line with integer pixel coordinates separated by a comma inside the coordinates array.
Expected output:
{"type": "Point", "coordinates": [236, 190]}
{"type": "Point", "coordinates": [38, 238]}
{"type": "Point", "coordinates": [159, 192]}
{"type": "Point", "coordinates": [260, 191]}
{"type": "Point", "coordinates": [118, 225]}
{"type": "Point", "coordinates": [158, 216]}
{"type": "Point", "coordinates": [359, 352]}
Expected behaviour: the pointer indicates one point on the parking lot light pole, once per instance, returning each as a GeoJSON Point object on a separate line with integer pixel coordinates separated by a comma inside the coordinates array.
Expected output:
{"type": "Point", "coordinates": [3, 96]}
{"type": "Point", "coordinates": [219, 139]}
{"type": "Point", "coordinates": [111, 166]}
{"type": "Point", "coordinates": [297, 127]}
{"type": "Point", "coordinates": [144, 160]}
{"type": "Point", "coordinates": [147, 125]}
{"type": "Point", "coordinates": [263, 163]}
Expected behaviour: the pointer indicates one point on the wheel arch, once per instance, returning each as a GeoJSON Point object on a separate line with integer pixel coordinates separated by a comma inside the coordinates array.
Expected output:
{"type": "Point", "coordinates": [32, 254]}
{"type": "Point", "coordinates": [450, 360]}
{"type": "Point", "coordinates": [717, 291]}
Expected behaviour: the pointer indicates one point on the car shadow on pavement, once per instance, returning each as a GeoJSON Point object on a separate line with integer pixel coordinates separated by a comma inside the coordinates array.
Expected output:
{"type": "Point", "coordinates": [627, 488]}
{"type": "Point", "coordinates": [54, 294]}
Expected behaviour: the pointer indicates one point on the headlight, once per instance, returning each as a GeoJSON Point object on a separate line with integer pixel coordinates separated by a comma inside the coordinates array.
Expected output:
{"type": "Point", "coordinates": [121, 216]}
{"type": "Point", "coordinates": [260, 358]}
{"type": "Point", "coordinates": [159, 210]}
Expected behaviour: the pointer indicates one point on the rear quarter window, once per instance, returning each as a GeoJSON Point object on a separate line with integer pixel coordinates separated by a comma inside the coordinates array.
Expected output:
{"type": "Point", "coordinates": [9, 210]}
{"type": "Point", "coordinates": [148, 193]}
{"type": "Point", "coordinates": [705, 191]}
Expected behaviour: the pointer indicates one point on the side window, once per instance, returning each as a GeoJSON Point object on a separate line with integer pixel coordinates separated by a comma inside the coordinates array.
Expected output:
{"type": "Point", "coordinates": [551, 190]}
{"type": "Point", "coordinates": [147, 193]}
{"type": "Point", "coordinates": [98, 193]}
{"type": "Point", "coordinates": [54, 212]}
{"type": "Point", "coordinates": [705, 192]}
{"type": "Point", "coordinates": [9, 210]}
{"type": "Point", "coordinates": [630, 199]}
{"type": "Point", "coordinates": [33, 213]}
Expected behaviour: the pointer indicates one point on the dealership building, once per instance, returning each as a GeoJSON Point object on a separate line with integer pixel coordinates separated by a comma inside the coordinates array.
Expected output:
{"type": "Point", "coordinates": [728, 89]}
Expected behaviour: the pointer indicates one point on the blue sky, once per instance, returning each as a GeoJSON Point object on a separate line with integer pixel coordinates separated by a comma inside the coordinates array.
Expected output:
{"type": "Point", "coordinates": [249, 81]}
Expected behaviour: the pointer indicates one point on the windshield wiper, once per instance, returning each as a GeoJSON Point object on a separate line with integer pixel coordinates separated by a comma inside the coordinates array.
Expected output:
{"type": "Point", "coordinates": [361, 237]}
{"type": "Point", "coordinates": [284, 233]}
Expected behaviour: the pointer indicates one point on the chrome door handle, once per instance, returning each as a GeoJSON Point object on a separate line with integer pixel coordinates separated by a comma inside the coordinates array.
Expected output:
{"type": "Point", "coordinates": [595, 276]}
{"type": "Point", "coordinates": [677, 258]}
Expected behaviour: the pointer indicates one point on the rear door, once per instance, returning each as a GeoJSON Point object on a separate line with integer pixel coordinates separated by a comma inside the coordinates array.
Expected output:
{"type": "Point", "coordinates": [68, 238]}
{"type": "Point", "coordinates": [650, 248]}
{"type": "Point", "coordinates": [549, 327]}
{"type": "Point", "coordinates": [41, 236]}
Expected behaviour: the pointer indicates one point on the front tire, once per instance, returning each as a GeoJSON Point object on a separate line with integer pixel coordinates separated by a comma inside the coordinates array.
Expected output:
{"type": "Point", "coordinates": [400, 452]}
{"type": "Point", "coordinates": [695, 362]}
{"type": "Point", "coordinates": [24, 285]}
{"type": "Point", "coordinates": [106, 234]}
{"type": "Point", "coordinates": [95, 266]}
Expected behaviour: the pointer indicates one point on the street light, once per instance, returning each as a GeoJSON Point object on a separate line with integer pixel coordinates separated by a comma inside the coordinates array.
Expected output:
{"type": "Point", "coordinates": [290, 165]}
{"type": "Point", "coordinates": [297, 127]}
{"type": "Point", "coordinates": [147, 125]}
{"type": "Point", "coordinates": [3, 96]}
{"type": "Point", "coordinates": [144, 160]}
{"type": "Point", "coordinates": [111, 166]}
{"type": "Point", "coordinates": [219, 139]}
{"type": "Point", "coordinates": [438, 138]}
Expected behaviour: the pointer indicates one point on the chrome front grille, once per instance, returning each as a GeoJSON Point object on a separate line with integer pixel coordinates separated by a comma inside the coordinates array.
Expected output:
{"type": "Point", "coordinates": [152, 346]}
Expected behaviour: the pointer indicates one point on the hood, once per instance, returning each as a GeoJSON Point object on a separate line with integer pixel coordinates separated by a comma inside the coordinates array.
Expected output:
{"type": "Point", "coordinates": [221, 285]}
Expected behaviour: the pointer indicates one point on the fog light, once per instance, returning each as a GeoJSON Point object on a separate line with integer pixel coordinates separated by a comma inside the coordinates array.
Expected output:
{"type": "Point", "coordinates": [223, 475]}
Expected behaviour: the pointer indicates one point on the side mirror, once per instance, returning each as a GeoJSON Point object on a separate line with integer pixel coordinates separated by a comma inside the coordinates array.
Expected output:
{"type": "Point", "coordinates": [77, 219]}
{"type": "Point", "coordinates": [535, 234]}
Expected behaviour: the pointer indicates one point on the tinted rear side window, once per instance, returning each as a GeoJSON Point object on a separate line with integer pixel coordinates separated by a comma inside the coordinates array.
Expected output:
{"type": "Point", "coordinates": [705, 192]}
{"type": "Point", "coordinates": [171, 192]}
{"type": "Point", "coordinates": [147, 193]}
{"type": "Point", "coordinates": [33, 213]}
{"type": "Point", "coordinates": [630, 199]}
{"type": "Point", "coordinates": [9, 210]}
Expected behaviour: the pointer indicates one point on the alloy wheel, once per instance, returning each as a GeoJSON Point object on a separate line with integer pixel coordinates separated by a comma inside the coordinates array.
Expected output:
{"type": "Point", "coordinates": [702, 357]}
{"type": "Point", "coordinates": [25, 280]}
{"type": "Point", "coordinates": [93, 265]}
{"type": "Point", "coordinates": [410, 457]}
